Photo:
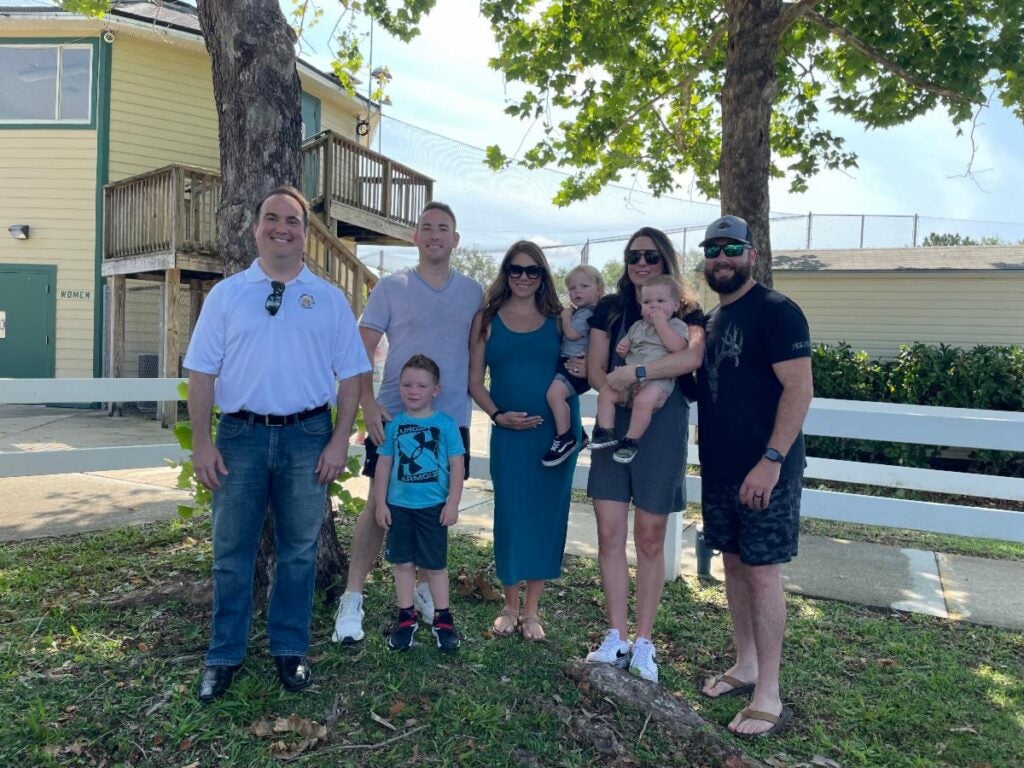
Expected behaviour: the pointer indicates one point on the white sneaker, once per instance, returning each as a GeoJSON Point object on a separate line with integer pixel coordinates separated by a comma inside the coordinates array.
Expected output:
{"type": "Point", "coordinates": [613, 650]}
{"type": "Point", "coordinates": [348, 624]}
{"type": "Point", "coordinates": [643, 664]}
{"type": "Point", "coordinates": [423, 602]}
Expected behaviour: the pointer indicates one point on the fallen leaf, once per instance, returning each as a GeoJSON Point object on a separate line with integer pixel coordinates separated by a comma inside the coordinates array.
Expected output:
{"type": "Point", "coordinates": [144, 647]}
{"type": "Point", "coordinates": [185, 744]}
{"type": "Point", "coordinates": [824, 762]}
{"type": "Point", "coordinates": [378, 719]}
{"type": "Point", "coordinates": [194, 764]}
{"type": "Point", "coordinates": [487, 590]}
{"type": "Point", "coordinates": [262, 728]}
{"type": "Point", "coordinates": [964, 729]}
{"type": "Point", "coordinates": [397, 707]}
{"type": "Point", "coordinates": [887, 662]}
{"type": "Point", "coordinates": [735, 761]}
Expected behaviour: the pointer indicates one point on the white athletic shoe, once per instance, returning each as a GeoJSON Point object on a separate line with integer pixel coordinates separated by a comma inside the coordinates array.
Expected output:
{"type": "Point", "coordinates": [643, 664]}
{"type": "Point", "coordinates": [423, 602]}
{"type": "Point", "coordinates": [348, 624]}
{"type": "Point", "coordinates": [613, 650]}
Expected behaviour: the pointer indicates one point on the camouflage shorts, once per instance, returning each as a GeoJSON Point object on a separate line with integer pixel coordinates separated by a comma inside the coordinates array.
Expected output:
{"type": "Point", "coordinates": [760, 537]}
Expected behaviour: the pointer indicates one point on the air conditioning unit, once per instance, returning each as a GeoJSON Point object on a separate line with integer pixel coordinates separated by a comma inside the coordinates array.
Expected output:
{"type": "Point", "coordinates": [149, 368]}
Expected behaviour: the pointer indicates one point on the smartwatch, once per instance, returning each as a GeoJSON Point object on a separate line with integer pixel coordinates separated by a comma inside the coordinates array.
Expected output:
{"type": "Point", "coordinates": [772, 455]}
{"type": "Point", "coordinates": [641, 372]}
{"type": "Point", "coordinates": [496, 414]}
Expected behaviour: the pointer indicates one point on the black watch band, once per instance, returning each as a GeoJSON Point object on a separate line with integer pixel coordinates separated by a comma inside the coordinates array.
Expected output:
{"type": "Point", "coordinates": [496, 414]}
{"type": "Point", "coordinates": [773, 455]}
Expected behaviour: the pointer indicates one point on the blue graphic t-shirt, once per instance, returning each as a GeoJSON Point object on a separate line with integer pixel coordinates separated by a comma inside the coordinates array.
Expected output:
{"type": "Point", "coordinates": [420, 449]}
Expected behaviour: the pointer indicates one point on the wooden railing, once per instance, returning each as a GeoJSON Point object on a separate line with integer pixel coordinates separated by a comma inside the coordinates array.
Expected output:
{"type": "Point", "coordinates": [338, 169]}
{"type": "Point", "coordinates": [328, 257]}
{"type": "Point", "coordinates": [172, 209]}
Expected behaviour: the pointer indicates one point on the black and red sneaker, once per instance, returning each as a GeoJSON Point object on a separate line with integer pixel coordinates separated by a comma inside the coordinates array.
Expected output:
{"type": "Point", "coordinates": [401, 637]}
{"type": "Point", "coordinates": [444, 632]}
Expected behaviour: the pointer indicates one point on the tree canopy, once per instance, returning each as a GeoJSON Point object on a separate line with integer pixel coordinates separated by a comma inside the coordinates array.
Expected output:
{"type": "Point", "coordinates": [732, 91]}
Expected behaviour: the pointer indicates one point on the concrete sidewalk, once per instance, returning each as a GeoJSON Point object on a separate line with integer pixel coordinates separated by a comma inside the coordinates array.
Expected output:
{"type": "Point", "coordinates": [948, 586]}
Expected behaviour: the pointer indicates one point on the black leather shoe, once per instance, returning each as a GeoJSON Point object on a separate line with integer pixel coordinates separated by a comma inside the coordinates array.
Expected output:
{"type": "Point", "coordinates": [215, 682]}
{"type": "Point", "coordinates": [294, 672]}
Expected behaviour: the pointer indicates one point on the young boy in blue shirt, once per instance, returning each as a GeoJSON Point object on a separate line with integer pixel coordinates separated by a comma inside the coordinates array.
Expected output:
{"type": "Point", "coordinates": [417, 487]}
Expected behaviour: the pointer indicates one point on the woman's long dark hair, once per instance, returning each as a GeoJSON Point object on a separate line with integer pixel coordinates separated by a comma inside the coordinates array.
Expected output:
{"type": "Point", "coordinates": [626, 289]}
{"type": "Point", "coordinates": [497, 292]}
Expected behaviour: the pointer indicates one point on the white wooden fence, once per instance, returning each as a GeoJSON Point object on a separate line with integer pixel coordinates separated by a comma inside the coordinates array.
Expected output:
{"type": "Point", "coordinates": [957, 427]}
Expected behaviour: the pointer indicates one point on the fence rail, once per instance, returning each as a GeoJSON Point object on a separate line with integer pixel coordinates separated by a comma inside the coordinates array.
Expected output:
{"type": "Point", "coordinates": [992, 430]}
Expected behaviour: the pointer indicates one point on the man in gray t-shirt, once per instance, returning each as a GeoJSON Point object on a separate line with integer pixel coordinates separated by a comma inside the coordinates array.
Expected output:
{"type": "Point", "coordinates": [426, 310]}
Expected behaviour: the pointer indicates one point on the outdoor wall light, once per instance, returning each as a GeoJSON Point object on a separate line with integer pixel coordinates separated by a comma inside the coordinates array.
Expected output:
{"type": "Point", "coordinates": [18, 231]}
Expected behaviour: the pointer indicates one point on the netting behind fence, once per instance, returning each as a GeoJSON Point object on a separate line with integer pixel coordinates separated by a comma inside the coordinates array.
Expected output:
{"type": "Point", "coordinates": [498, 208]}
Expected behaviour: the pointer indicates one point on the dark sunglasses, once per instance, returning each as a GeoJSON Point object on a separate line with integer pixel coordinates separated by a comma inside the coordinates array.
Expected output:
{"type": "Point", "coordinates": [275, 298]}
{"type": "Point", "coordinates": [532, 272]}
{"type": "Point", "coordinates": [729, 249]}
{"type": "Point", "coordinates": [650, 257]}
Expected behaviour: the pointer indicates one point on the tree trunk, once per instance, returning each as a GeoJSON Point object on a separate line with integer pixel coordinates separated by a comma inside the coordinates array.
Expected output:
{"type": "Point", "coordinates": [258, 95]}
{"type": "Point", "coordinates": [748, 93]}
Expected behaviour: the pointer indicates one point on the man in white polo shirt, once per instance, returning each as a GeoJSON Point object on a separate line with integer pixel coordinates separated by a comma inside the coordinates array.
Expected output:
{"type": "Point", "coordinates": [269, 348]}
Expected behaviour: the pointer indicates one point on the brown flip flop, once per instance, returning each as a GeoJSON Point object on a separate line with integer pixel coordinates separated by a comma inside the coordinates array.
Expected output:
{"type": "Point", "coordinates": [532, 630]}
{"type": "Point", "coordinates": [778, 721]}
{"type": "Point", "coordinates": [739, 688]}
{"type": "Point", "coordinates": [499, 629]}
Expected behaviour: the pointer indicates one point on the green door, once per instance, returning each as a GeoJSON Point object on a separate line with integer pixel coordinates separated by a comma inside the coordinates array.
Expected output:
{"type": "Point", "coordinates": [28, 312]}
{"type": "Point", "coordinates": [310, 162]}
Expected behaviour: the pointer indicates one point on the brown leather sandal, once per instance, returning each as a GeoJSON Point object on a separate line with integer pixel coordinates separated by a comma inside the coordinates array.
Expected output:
{"type": "Point", "coordinates": [531, 629]}
{"type": "Point", "coordinates": [506, 623]}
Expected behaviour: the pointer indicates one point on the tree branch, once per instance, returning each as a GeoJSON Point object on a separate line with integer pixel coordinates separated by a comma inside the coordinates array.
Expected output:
{"type": "Point", "coordinates": [791, 12]}
{"type": "Point", "coordinates": [686, 85]}
{"type": "Point", "coordinates": [883, 61]}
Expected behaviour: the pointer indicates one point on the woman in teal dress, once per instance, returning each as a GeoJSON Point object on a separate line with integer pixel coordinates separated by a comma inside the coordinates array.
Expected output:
{"type": "Point", "coordinates": [516, 335]}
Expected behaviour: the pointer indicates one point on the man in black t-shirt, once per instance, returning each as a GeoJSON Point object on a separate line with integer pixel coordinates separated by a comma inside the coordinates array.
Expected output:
{"type": "Point", "coordinates": [754, 390]}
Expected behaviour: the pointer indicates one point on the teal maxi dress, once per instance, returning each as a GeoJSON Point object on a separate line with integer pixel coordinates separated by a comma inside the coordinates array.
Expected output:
{"type": "Point", "coordinates": [531, 501]}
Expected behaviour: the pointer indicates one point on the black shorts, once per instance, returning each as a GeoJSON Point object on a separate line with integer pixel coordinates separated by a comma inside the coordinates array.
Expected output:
{"type": "Point", "coordinates": [417, 536]}
{"type": "Point", "coordinates": [759, 536]}
{"type": "Point", "coordinates": [370, 454]}
{"type": "Point", "coordinates": [577, 384]}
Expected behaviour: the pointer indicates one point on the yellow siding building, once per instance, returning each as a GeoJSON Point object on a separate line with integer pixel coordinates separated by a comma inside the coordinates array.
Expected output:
{"type": "Point", "coordinates": [84, 102]}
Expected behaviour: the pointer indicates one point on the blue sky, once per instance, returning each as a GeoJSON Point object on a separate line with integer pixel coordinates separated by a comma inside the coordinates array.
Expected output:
{"type": "Point", "coordinates": [442, 83]}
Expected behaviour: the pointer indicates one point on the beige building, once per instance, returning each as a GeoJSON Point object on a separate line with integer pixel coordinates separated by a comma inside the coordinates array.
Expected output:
{"type": "Point", "coordinates": [108, 165]}
{"type": "Point", "coordinates": [876, 300]}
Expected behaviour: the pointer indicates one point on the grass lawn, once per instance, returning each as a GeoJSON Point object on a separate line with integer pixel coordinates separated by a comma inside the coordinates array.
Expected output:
{"type": "Point", "coordinates": [84, 685]}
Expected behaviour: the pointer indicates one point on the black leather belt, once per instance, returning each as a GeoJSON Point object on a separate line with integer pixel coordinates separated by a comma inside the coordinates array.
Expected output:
{"type": "Point", "coordinates": [274, 420]}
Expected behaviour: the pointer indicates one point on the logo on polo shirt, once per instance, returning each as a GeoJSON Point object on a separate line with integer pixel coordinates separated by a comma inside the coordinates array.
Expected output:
{"type": "Point", "coordinates": [306, 301]}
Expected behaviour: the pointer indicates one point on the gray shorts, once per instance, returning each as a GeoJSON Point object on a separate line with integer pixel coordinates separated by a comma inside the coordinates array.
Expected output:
{"type": "Point", "coordinates": [417, 536]}
{"type": "Point", "coordinates": [653, 481]}
{"type": "Point", "coordinates": [759, 536]}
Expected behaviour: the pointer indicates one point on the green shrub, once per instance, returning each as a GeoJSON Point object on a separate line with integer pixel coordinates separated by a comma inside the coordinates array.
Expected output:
{"type": "Point", "coordinates": [990, 378]}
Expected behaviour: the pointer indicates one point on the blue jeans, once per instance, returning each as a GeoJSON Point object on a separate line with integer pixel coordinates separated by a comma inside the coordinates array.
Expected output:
{"type": "Point", "coordinates": [275, 466]}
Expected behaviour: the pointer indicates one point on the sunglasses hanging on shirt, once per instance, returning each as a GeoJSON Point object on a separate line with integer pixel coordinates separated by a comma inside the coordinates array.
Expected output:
{"type": "Point", "coordinates": [275, 298]}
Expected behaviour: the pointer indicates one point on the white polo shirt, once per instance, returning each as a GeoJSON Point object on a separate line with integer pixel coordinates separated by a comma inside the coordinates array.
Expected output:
{"type": "Point", "coordinates": [275, 364]}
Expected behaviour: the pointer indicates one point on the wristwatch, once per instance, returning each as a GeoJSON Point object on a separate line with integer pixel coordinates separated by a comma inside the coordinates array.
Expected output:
{"type": "Point", "coordinates": [641, 372]}
{"type": "Point", "coordinates": [772, 455]}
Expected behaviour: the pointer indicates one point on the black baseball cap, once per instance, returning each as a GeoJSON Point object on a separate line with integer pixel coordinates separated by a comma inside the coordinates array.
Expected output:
{"type": "Point", "coordinates": [729, 227]}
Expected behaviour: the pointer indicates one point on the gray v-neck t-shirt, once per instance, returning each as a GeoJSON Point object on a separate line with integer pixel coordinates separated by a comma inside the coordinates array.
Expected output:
{"type": "Point", "coordinates": [420, 319]}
